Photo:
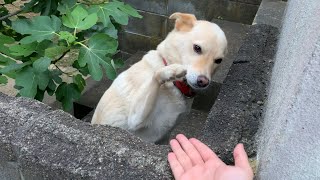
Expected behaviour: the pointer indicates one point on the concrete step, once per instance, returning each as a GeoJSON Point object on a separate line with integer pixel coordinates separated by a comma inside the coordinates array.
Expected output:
{"type": "Point", "coordinates": [190, 124]}
{"type": "Point", "coordinates": [270, 12]}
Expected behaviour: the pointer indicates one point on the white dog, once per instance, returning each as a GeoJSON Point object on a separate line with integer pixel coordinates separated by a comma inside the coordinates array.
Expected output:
{"type": "Point", "coordinates": [147, 98]}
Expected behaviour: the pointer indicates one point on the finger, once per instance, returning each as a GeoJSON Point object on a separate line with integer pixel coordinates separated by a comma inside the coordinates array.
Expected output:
{"type": "Point", "coordinates": [205, 152]}
{"type": "Point", "coordinates": [190, 150]}
{"type": "Point", "coordinates": [182, 157]}
{"type": "Point", "coordinates": [175, 166]}
{"type": "Point", "coordinates": [241, 158]}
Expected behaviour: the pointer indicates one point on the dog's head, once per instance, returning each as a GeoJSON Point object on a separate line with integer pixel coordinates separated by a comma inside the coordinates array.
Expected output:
{"type": "Point", "coordinates": [199, 45]}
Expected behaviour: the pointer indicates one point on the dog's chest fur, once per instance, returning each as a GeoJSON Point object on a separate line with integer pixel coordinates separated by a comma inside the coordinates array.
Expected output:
{"type": "Point", "coordinates": [169, 105]}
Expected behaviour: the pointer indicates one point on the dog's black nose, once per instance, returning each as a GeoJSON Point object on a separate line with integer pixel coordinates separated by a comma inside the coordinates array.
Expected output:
{"type": "Point", "coordinates": [202, 81]}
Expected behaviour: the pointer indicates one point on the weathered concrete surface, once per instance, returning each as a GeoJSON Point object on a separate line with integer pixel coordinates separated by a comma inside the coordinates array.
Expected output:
{"type": "Point", "coordinates": [270, 12]}
{"type": "Point", "coordinates": [154, 6]}
{"type": "Point", "coordinates": [190, 124]}
{"type": "Point", "coordinates": [290, 140]}
{"type": "Point", "coordinates": [237, 112]}
{"type": "Point", "coordinates": [43, 144]}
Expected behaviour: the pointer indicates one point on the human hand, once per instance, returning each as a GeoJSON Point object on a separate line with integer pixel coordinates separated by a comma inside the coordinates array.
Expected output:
{"type": "Point", "coordinates": [191, 159]}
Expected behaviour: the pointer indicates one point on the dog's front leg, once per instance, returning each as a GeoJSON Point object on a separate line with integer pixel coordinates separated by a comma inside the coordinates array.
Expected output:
{"type": "Point", "coordinates": [148, 93]}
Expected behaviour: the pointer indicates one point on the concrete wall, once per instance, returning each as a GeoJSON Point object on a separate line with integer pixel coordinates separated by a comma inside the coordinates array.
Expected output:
{"type": "Point", "coordinates": [145, 34]}
{"type": "Point", "coordinates": [290, 139]}
{"type": "Point", "coordinates": [37, 142]}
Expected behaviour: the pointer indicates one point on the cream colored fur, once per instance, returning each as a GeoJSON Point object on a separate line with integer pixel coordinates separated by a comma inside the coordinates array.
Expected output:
{"type": "Point", "coordinates": [143, 99]}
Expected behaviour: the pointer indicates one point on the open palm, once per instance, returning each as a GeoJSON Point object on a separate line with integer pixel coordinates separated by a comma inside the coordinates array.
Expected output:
{"type": "Point", "coordinates": [191, 159]}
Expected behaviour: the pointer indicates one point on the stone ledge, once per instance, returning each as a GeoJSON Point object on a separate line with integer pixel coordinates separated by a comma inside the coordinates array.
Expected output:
{"type": "Point", "coordinates": [50, 144]}
{"type": "Point", "coordinates": [237, 113]}
{"type": "Point", "coordinates": [270, 12]}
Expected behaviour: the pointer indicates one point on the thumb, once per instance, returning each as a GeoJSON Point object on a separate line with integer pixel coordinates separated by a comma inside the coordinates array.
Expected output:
{"type": "Point", "coordinates": [241, 158]}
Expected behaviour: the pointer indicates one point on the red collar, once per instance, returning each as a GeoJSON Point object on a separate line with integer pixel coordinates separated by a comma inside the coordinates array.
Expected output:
{"type": "Point", "coordinates": [182, 86]}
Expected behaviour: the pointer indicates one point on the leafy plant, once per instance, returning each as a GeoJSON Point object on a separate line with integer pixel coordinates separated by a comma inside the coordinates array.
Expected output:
{"type": "Point", "coordinates": [82, 34]}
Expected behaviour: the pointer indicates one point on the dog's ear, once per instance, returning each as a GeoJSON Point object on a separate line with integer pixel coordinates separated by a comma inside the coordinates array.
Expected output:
{"type": "Point", "coordinates": [184, 22]}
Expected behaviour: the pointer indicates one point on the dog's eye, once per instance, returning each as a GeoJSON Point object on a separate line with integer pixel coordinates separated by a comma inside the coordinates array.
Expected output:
{"type": "Point", "coordinates": [218, 61]}
{"type": "Point", "coordinates": [197, 49]}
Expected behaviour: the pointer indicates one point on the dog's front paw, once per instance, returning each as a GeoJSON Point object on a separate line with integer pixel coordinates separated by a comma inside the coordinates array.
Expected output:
{"type": "Point", "coordinates": [171, 73]}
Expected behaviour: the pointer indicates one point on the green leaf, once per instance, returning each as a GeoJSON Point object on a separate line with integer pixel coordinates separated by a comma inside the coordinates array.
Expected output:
{"type": "Point", "coordinates": [54, 76]}
{"type": "Point", "coordinates": [65, 6]}
{"type": "Point", "coordinates": [102, 14]}
{"type": "Point", "coordinates": [51, 85]}
{"type": "Point", "coordinates": [118, 63]}
{"type": "Point", "coordinates": [3, 80]}
{"type": "Point", "coordinates": [110, 71]}
{"type": "Point", "coordinates": [55, 51]}
{"type": "Point", "coordinates": [41, 65]}
{"type": "Point", "coordinates": [95, 55]}
{"type": "Point", "coordinates": [40, 95]}
{"type": "Point", "coordinates": [42, 79]}
{"type": "Point", "coordinates": [83, 70]}
{"type": "Point", "coordinates": [39, 28]}
{"type": "Point", "coordinates": [130, 10]}
{"type": "Point", "coordinates": [42, 46]}
{"type": "Point", "coordinates": [79, 81]}
{"type": "Point", "coordinates": [5, 40]}
{"type": "Point", "coordinates": [117, 10]}
{"type": "Point", "coordinates": [111, 31]}
{"type": "Point", "coordinates": [79, 19]}
{"type": "Point", "coordinates": [50, 92]}
{"type": "Point", "coordinates": [105, 11]}
{"type": "Point", "coordinates": [29, 80]}
{"type": "Point", "coordinates": [14, 67]}
{"type": "Point", "coordinates": [23, 49]}
{"type": "Point", "coordinates": [65, 35]}
{"type": "Point", "coordinates": [45, 8]}
{"type": "Point", "coordinates": [67, 93]}
{"type": "Point", "coordinates": [5, 61]}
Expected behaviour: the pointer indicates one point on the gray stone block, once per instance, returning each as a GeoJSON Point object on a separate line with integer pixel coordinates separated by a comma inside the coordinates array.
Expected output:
{"type": "Point", "coordinates": [53, 145]}
{"type": "Point", "coordinates": [151, 24]}
{"type": "Point", "coordinates": [255, 2]}
{"type": "Point", "coordinates": [153, 6]}
{"type": "Point", "coordinates": [206, 98]}
{"type": "Point", "coordinates": [13, 115]}
{"type": "Point", "coordinates": [270, 12]}
{"type": "Point", "coordinates": [237, 112]}
{"type": "Point", "coordinates": [9, 170]}
{"type": "Point", "coordinates": [198, 8]}
{"type": "Point", "coordinates": [131, 43]}
{"type": "Point", "coordinates": [225, 9]}
{"type": "Point", "coordinates": [190, 124]}
{"type": "Point", "coordinates": [231, 11]}
{"type": "Point", "coordinates": [122, 55]}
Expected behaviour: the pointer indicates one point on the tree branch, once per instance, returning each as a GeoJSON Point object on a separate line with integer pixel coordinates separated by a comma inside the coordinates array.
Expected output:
{"type": "Point", "coordinates": [9, 15]}
{"type": "Point", "coordinates": [61, 57]}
